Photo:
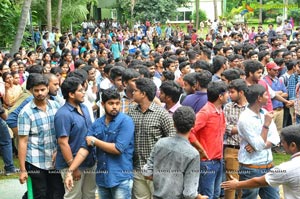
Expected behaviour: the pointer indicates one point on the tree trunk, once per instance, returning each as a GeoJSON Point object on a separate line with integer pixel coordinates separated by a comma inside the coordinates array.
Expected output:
{"type": "Point", "coordinates": [49, 17]}
{"type": "Point", "coordinates": [260, 12]}
{"type": "Point", "coordinates": [21, 27]}
{"type": "Point", "coordinates": [197, 14]}
{"type": "Point", "coordinates": [216, 9]}
{"type": "Point", "coordinates": [58, 19]}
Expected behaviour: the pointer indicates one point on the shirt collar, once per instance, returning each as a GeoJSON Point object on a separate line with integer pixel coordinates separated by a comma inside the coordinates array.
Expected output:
{"type": "Point", "coordinates": [295, 155]}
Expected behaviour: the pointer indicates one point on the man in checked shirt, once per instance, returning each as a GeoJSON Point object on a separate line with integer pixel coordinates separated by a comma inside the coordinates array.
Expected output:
{"type": "Point", "coordinates": [232, 112]}
{"type": "Point", "coordinates": [151, 123]}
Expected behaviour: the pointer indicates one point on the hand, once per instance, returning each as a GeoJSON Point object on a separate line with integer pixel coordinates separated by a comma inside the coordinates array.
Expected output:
{"type": "Point", "coordinates": [289, 104]}
{"type": "Point", "coordinates": [148, 177]}
{"type": "Point", "coordinates": [23, 177]}
{"type": "Point", "coordinates": [89, 139]}
{"type": "Point", "coordinates": [201, 196]}
{"type": "Point", "coordinates": [69, 181]}
{"type": "Point", "coordinates": [76, 175]}
{"type": "Point", "coordinates": [232, 184]}
{"type": "Point", "coordinates": [268, 118]}
{"type": "Point", "coordinates": [203, 154]}
{"type": "Point", "coordinates": [249, 148]}
{"type": "Point", "coordinates": [54, 158]}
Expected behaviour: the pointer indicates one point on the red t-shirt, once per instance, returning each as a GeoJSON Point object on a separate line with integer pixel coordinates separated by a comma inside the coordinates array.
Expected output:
{"type": "Point", "coordinates": [209, 130]}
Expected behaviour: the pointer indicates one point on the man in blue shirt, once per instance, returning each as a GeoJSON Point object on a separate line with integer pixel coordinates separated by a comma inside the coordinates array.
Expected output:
{"type": "Point", "coordinates": [71, 123]}
{"type": "Point", "coordinates": [113, 135]}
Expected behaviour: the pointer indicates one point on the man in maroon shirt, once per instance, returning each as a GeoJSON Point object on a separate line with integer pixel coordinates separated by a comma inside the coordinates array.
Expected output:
{"type": "Point", "coordinates": [207, 137]}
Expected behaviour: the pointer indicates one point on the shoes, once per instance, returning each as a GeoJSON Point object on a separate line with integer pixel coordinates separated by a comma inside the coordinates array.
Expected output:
{"type": "Point", "coordinates": [9, 173]}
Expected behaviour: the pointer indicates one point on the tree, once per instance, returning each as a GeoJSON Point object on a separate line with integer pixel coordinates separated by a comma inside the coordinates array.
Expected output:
{"type": "Point", "coordinates": [156, 9]}
{"type": "Point", "coordinates": [49, 17]}
{"type": "Point", "coordinates": [197, 14]}
{"type": "Point", "coordinates": [21, 27]}
{"type": "Point", "coordinates": [58, 19]}
{"type": "Point", "coordinates": [216, 9]}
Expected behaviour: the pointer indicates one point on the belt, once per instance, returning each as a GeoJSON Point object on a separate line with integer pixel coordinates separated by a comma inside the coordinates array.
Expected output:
{"type": "Point", "coordinates": [233, 146]}
{"type": "Point", "coordinates": [264, 166]}
{"type": "Point", "coordinates": [278, 109]}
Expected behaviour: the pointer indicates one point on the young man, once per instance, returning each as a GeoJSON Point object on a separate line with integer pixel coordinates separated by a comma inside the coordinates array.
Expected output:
{"type": "Point", "coordinates": [38, 143]}
{"type": "Point", "coordinates": [286, 174]}
{"type": "Point", "coordinates": [207, 136]}
{"type": "Point", "coordinates": [113, 136]}
{"type": "Point", "coordinates": [151, 123]}
{"type": "Point", "coordinates": [198, 99]}
{"type": "Point", "coordinates": [163, 166]}
{"type": "Point", "coordinates": [258, 134]}
{"type": "Point", "coordinates": [170, 93]}
{"type": "Point", "coordinates": [71, 123]}
{"type": "Point", "coordinates": [232, 111]}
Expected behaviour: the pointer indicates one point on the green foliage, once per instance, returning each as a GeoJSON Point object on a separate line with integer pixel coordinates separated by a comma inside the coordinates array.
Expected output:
{"type": "Point", "coordinates": [159, 10]}
{"type": "Point", "coordinates": [202, 16]}
{"type": "Point", "coordinates": [295, 13]}
{"type": "Point", "coordinates": [9, 17]}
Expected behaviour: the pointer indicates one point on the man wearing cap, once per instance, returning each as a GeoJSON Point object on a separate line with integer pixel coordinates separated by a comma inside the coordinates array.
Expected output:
{"type": "Point", "coordinates": [278, 86]}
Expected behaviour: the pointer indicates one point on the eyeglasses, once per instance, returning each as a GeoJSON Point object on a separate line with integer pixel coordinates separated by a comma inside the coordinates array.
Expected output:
{"type": "Point", "coordinates": [81, 90]}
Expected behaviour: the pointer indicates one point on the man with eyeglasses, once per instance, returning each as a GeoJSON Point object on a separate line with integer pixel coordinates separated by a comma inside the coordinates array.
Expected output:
{"type": "Point", "coordinates": [71, 124]}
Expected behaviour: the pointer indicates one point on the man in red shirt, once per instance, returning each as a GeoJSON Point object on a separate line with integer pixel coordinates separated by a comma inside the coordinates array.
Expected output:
{"type": "Point", "coordinates": [207, 137]}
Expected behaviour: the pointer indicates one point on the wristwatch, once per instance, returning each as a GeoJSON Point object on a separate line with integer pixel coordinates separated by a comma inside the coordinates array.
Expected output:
{"type": "Point", "coordinates": [93, 142]}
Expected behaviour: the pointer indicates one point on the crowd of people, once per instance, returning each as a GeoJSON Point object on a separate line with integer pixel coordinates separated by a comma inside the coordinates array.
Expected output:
{"type": "Point", "coordinates": [152, 112]}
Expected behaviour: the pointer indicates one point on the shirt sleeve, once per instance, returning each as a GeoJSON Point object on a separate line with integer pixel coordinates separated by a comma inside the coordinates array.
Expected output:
{"type": "Point", "coordinates": [276, 176]}
{"type": "Point", "coordinates": [62, 124]}
{"type": "Point", "coordinates": [24, 124]}
{"type": "Point", "coordinates": [167, 125]}
{"type": "Point", "coordinates": [191, 178]}
{"type": "Point", "coordinates": [201, 119]}
{"type": "Point", "coordinates": [126, 134]}
{"type": "Point", "coordinates": [248, 132]}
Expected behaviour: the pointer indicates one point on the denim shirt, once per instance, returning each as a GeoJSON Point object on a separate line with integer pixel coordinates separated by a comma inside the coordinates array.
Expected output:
{"type": "Point", "coordinates": [113, 169]}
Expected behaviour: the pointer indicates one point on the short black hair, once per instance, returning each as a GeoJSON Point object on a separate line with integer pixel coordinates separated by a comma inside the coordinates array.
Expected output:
{"type": "Point", "coordinates": [291, 134]}
{"type": "Point", "coordinates": [110, 93]}
{"type": "Point", "coordinates": [147, 86]}
{"type": "Point", "coordinates": [251, 66]}
{"type": "Point", "coordinates": [253, 92]}
{"type": "Point", "coordinates": [190, 79]}
{"type": "Point", "coordinates": [218, 62]}
{"type": "Point", "coordinates": [203, 78]}
{"type": "Point", "coordinates": [70, 85]}
{"type": "Point", "coordinates": [184, 119]}
{"type": "Point", "coordinates": [39, 79]}
{"type": "Point", "coordinates": [215, 89]}
{"type": "Point", "coordinates": [231, 74]}
{"type": "Point", "coordinates": [171, 89]}
{"type": "Point", "coordinates": [169, 75]}
{"type": "Point", "coordinates": [238, 85]}
{"type": "Point", "coordinates": [129, 73]}
{"type": "Point", "coordinates": [116, 71]}
{"type": "Point", "coordinates": [79, 73]}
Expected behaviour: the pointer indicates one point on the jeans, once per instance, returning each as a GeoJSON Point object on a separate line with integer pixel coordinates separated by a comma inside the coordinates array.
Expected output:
{"type": "Point", "coordinates": [45, 184]}
{"type": "Point", "coordinates": [264, 192]}
{"type": "Point", "coordinates": [6, 147]}
{"type": "Point", "coordinates": [121, 191]}
{"type": "Point", "coordinates": [297, 119]}
{"type": "Point", "coordinates": [210, 178]}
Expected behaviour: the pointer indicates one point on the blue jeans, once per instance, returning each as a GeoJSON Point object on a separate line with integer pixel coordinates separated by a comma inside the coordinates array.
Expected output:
{"type": "Point", "coordinates": [264, 192]}
{"type": "Point", "coordinates": [121, 191]}
{"type": "Point", "coordinates": [297, 119]}
{"type": "Point", "coordinates": [6, 147]}
{"type": "Point", "coordinates": [210, 178]}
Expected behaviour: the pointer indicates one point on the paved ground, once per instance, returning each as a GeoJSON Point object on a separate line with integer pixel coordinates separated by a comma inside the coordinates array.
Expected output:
{"type": "Point", "coordinates": [11, 189]}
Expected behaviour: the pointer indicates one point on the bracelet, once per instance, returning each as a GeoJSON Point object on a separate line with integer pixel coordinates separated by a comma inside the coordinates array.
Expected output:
{"type": "Point", "coordinates": [266, 127]}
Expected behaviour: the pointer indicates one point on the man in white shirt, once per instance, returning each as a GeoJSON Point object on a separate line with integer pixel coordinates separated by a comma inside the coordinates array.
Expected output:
{"type": "Point", "coordinates": [286, 174]}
